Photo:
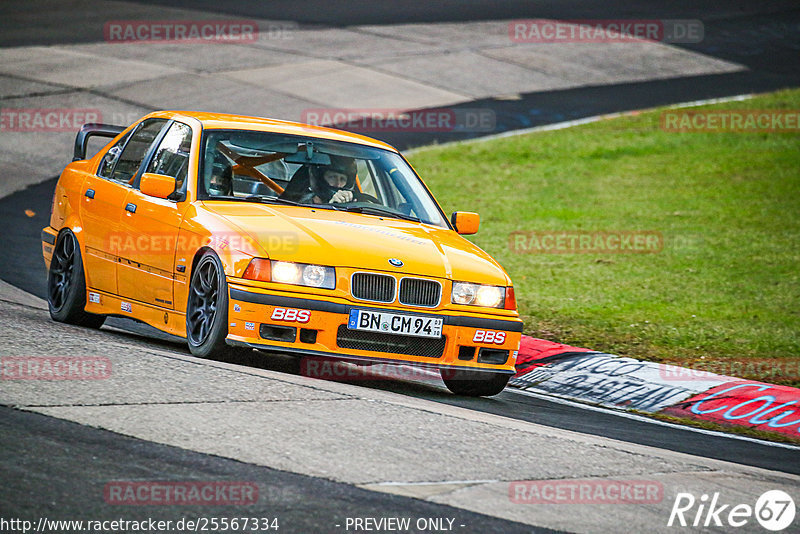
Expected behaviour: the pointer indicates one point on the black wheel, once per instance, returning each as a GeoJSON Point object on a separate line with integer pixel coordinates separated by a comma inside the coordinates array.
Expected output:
{"type": "Point", "coordinates": [66, 285]}
{"type": "Point", "coordinates": [474, 383]}
{"type": "Point", "coordinates": [207, 310]}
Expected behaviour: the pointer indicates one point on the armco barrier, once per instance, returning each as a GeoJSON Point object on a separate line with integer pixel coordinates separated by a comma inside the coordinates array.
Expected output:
{"type": "Point", "coordinates": [624, 383]}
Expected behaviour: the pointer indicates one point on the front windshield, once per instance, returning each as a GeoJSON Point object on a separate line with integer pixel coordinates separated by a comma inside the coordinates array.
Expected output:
{"type": "Point", "coordinates": [269, 167]}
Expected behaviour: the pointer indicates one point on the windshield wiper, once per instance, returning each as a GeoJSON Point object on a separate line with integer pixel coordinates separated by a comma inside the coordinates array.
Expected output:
{"type": "Point", "coordinates": [377, 210]}
{"type": "Point", "coordinates": [278, 200]}
{"type": "Point", "coordinates": [370, 210]}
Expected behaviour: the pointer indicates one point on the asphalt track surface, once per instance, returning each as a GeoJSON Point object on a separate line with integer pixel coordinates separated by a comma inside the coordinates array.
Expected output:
{"type": "Point", "coordinates": [73, 462]}
{"type": "Point", "coordinates": [71, 458]}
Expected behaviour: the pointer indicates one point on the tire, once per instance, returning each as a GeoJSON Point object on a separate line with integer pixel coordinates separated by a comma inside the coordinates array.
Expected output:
{"type": "Point", "coordinates": [66, 285]}
{"type": "Point", "coordinates": [474, 383]}
{"type": "Point", "coordinates": [207, 311]}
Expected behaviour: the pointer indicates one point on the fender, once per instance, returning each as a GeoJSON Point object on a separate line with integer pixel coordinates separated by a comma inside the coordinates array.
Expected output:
{"type": "Point", "coordinates": [73, 223]}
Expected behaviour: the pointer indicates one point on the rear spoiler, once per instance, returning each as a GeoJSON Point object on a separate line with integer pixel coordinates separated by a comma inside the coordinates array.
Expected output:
{"type": "Point", "coordinates": [92, 130]}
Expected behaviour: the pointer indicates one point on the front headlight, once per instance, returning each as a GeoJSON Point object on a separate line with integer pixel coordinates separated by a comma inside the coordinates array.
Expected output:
{"type": "Point", "coordinates": [478, 295]}
{"type": "Point", "coordinates": [303, 274]}
{"type": "Point", "coordinates": [287, 272]}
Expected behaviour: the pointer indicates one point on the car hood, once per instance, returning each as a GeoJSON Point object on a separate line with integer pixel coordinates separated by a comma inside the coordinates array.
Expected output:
{"type": "Point", "coordinates": [359, 241]}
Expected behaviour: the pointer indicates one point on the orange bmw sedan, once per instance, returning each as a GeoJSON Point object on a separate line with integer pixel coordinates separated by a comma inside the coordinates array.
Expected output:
{"type": "Point", "coordinates": [243, 233]}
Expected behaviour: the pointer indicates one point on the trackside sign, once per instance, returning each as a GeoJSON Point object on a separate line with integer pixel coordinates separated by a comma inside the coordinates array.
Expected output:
{"type": "Point", "coordinates": [766, 407]}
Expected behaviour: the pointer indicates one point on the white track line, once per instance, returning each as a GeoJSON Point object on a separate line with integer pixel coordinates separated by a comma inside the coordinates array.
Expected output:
{"type": "Point", "coordinates": [627, 415]}
{"type": "Point", "coordinates": [437, 483]}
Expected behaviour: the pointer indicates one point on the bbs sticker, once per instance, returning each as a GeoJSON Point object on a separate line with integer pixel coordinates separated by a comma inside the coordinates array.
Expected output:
{"type": "Point", "coordinates": [290, 315]}
{"type": "Point", "coordinates": [489, 336]}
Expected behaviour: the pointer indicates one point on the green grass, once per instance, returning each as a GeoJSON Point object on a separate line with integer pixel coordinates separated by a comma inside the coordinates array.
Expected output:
{"type": "Point", "coordinates": [725, 286]}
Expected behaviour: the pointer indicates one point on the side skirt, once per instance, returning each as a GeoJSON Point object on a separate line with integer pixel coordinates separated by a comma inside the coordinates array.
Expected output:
{"type": "Point", "coordinates": [169, 321]}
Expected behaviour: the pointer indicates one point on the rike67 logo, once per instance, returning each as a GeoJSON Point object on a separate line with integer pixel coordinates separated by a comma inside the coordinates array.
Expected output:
{"type": "Point", "coordinates": [774, 510]}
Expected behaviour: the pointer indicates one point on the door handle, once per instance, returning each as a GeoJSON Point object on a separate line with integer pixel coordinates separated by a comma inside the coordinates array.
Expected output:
{"type": "Point", "coordinates": [131, 207]}
{"type": "Point", "coordinates": [89, 193]}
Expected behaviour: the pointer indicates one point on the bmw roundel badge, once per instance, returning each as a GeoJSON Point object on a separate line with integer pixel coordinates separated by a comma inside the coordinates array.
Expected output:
{"type": "Point", "coordinates": [395, 262]}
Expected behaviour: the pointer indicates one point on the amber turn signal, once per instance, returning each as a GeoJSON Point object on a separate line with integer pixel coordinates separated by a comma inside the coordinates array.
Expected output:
{"type": "Point", "coordinates": [258, 269]}
{"type": "Point", "coordinates": [511, 299]}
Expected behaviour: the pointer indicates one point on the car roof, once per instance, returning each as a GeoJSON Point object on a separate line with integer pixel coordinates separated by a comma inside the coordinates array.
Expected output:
{"type": "Point", "coordinates": [226, 121]}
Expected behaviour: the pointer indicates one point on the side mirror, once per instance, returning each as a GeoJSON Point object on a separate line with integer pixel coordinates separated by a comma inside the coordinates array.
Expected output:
{"type": "Point", "coordinates": [157, 185]}
{"type": "Point", "coordinates": [465, 222]}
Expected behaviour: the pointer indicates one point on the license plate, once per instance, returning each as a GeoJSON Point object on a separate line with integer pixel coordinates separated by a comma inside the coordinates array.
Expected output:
{"type": "Point", "coordinates": [395, 323]}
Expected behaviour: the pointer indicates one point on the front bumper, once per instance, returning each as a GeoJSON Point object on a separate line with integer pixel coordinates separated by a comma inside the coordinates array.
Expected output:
{"type": "Point", "coordinates": [315, 326]}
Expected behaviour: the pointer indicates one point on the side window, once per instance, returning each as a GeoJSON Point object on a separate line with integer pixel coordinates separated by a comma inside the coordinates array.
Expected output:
{"type": "Point", "coordinates": [366, 179]}
{"type": "Point", "coordinates": [218, 170]}
{"type": "Point", "coordinates": [132, 155]}
{"type": "Point", "coordinates": [111, 157]}
{"type": "Point", "coordinates": [396, 197]}
{"type": "Point", "coordinates": [172, 156]}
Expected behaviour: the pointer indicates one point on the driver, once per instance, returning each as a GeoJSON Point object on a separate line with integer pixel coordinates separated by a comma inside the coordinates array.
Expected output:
{"type": "Point", "coordinates": [334, 183]}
